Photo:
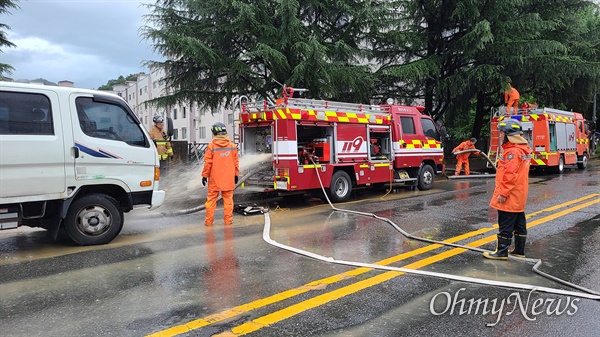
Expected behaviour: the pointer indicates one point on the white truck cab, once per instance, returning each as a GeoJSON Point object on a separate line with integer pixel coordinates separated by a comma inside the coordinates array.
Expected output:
{"type": "Point", "coordinates": [75, 159]}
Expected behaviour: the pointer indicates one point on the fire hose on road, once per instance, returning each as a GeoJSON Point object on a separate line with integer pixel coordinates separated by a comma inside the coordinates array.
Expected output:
{"type": "Point", "coordinates": [582, 293]}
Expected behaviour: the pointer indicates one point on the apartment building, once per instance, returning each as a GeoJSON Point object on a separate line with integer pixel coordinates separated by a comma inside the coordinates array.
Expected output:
{"type": "Point", "coordinates": [191, 122]}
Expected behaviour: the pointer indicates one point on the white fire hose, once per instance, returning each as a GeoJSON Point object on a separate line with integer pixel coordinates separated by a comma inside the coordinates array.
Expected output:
{"type": "Point", "coordinates": [582, 293]}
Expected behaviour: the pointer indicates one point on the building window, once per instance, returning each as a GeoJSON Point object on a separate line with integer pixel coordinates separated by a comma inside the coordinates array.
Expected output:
{"type": "Point", "coordinates": [175, 113]}
{"type": "Point", "coordinates": [230, 119]}
{"type": "Point", "coordinates": [183, 113]}
{"type": "Point", "coordinates": [140, 91]}
{"type": "Point", "coordinates": [202, 132]}
{"type": "Point", "coordinates": [175, 134]}
{"type": "Point", "coordinates": [183, 133]}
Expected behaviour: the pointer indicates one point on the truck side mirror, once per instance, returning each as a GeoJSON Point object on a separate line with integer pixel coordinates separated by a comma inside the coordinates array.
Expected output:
{"type": "Point", "coordinates": [169, 127]}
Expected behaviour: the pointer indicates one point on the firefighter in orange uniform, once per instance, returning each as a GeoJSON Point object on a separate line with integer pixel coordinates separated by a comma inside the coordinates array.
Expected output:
{"type": "Point", "coordinates": [511, 99]}
{"type": "Point", "coordinates": [221, 170]}
{"type": "Point", "coordinates": [463, 158]}
{"type": "Point", "coordinates": [512, 187]}
{"type": "Point", "coordinates": [161, 140]}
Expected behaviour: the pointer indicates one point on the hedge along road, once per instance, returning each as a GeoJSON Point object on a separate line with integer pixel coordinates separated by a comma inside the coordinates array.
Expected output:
{"type": "Point", "coordinates": [269, 319]}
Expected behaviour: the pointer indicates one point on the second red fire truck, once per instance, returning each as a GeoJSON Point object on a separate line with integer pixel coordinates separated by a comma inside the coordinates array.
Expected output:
{"type": "Point", "coordinates": [346, 144]}
{"type": "Point", "coordinates": [557, 137]}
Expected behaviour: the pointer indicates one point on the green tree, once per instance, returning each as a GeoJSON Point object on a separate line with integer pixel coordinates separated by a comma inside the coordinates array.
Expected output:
{"type": "Point", "coordinates": [120, 80]}
{"type": "Point", "coordinates": [217, 49]}
{"type": "Point", "coordinates": [455, 55]}
{"type": "Point", "coordinates": [5, 6]}
{"type": "Point", "coordinates": [459, 55]}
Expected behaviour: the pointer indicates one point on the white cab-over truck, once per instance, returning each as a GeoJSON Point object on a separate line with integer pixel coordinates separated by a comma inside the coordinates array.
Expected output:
{"type": "Point", "coordinates": [74, 159]}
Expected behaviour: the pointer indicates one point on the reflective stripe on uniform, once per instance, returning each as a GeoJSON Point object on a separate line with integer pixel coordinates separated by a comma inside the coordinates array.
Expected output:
{"type": "Point", "coordinates": [223, 149]}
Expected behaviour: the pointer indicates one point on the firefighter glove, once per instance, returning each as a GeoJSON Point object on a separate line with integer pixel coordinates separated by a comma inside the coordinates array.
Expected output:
{"type": "Point", "coordinates": [236, 179]}
{"type": "Point", "coordinates": [204, 180]}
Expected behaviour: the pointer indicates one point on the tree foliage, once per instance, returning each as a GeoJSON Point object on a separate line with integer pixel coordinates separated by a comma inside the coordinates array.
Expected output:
{"type": "Point", "coordinates": [217, 49]}
{"type": "Point", "coordinates": [456, 56]}
{"type": "Point", "coordinates": [5, 6]}
{"type": "Point", "coordinates": [120, 80]}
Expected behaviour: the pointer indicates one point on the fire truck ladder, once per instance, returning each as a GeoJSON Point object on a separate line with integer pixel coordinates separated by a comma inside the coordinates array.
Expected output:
{"type": "Point", "coordinates": [319, 105]}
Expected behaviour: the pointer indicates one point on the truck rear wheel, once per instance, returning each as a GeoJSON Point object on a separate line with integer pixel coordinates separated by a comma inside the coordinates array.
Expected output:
{"type": "Point", "coordinates": [93, 219]}
{"type": "Point", "coordinates": [426, 176]}
{"type": "Point", "coordinates": [340, 188]}
{"type": "Point", "coordinates": [583, 163]}
{"type": "Point", "coordinates": [561, 165]}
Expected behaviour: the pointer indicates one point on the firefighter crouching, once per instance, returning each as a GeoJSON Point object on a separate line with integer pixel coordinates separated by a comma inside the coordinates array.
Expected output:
{"type": "Point", "coordinates": [512, 187]}
{"type": "Point", "coordinates": [221, 170]}
{"type": "Point", "coordinates": [162, 141]}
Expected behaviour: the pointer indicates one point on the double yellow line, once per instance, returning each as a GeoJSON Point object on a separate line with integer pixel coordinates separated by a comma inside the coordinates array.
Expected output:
{"type": "Point", "coordinates": [316, 301]}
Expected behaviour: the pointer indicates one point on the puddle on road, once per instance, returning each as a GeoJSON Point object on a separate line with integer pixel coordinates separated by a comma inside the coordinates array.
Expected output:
{"type": "Point", "coordinates": [571, 254]}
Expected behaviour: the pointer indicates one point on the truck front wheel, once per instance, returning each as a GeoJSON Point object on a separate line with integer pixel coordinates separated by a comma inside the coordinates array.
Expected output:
{"type": "Point", "coordinates": [93, 220]}
{"type": "Point", "coordinates": [341, 187]}
{"type": "Point", "coordinates": [426, 176]}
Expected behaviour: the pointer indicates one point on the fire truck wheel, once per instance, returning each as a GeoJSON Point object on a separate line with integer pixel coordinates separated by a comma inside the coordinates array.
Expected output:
{"type": "Point", "coordinates": [341, 187]}
{"type": "Point", "coordinates": [583, 162]}
{"type": "Point", "coordinates": [93, 219]}
{"type": "Point", "coordinates": [561, 165]}
{"type": "Point", "coordinates": [426, 176]}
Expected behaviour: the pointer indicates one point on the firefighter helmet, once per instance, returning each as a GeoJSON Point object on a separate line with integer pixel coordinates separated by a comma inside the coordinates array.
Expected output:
{"type": "Point", "coordinates": [219, 129]}
{"type": "Point", "coordinates": [510, 127]}
{"type": "Point", "coordinates": [158, 119]}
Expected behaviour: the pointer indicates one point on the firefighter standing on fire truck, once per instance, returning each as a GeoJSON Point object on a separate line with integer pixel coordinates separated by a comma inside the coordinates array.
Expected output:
{"type": "Point", "coordinates": [512, 187]}
{"type": "Point", "coordinates": [511, 99]}
{"type": "Point", "coordinates": [463, 158]}
{"type": "Point", "coordinates": [161, 140]}
{"type": "Point", "coordinates": [221, 170]}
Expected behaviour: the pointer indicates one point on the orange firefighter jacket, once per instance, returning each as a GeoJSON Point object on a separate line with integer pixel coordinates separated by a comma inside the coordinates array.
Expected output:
{"type": "Point", "coordinates": [512, 177]}
{"type": "Point", "coordinates": [221, 164]}
{"type": "Point", "coordinates": [466, 145]}
{"type": "Point", "coordinates": [511, 94]}
{"type": "Point", "coordinates": [163, 146]}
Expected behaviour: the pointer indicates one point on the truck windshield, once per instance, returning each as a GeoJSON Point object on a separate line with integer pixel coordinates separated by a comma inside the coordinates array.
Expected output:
{"type": "Point", "coordinates": [429, 129]}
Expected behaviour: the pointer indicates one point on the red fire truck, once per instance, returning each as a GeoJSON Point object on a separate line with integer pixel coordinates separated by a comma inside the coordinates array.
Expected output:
{"type": "Point", "coordinates": [557, 137]}
{"type": "Point", "coordinates": [347, 145]}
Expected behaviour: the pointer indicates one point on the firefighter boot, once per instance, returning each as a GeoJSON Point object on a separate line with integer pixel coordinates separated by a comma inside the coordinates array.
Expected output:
{"type": "Point", "coordinates": [501, 252]}
{"type": "Point", "coordinates": [519, 250]}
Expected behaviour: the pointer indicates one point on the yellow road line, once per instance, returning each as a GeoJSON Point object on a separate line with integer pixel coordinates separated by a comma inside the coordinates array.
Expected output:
{"type": "Point", "coordinates": [238, 310]}
{"type": "Point", "coordinates": [316, 301]}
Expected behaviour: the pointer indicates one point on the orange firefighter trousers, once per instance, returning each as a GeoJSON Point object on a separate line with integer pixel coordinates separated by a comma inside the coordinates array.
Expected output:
{"type": "Point", "coordinates": [211, 204]}
{"type": "Point", "coordinates": [459, 165]}
{"type": "Point", "coordinates": [512, 103]}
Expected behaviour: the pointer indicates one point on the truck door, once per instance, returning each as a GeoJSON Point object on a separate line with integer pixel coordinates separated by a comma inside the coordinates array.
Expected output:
{"type": "Point", "coordinates": [552, 135]}
{"type": "Point", "coordinates": [109, 142]}
{"type": "Point", "coordinates": [33, 152]}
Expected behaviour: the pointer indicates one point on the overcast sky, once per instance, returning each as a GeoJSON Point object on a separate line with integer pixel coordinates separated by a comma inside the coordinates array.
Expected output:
{"type": "Point", "coordinates": [84, 41]}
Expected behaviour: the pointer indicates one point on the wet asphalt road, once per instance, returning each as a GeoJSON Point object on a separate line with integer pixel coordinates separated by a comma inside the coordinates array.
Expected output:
{"type": "Point", "coordinates": [172, 275]}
